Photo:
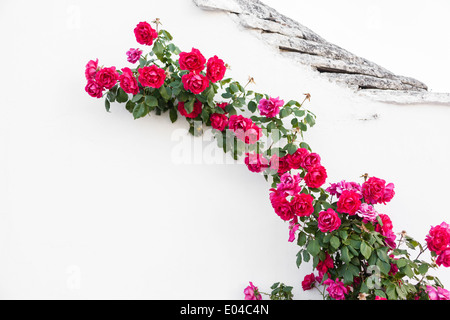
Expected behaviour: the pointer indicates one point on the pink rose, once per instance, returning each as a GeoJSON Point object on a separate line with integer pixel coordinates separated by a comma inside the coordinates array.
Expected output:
{"type": "Point", "coordinates": [195, 112]}
{"type": "Point", "coordinates": [152, 76]}
{"type": "Point", "coordinates": [293, 227]}
{"type": "Point", "coordinates": [336, 289]}
{"type": "Point", "coordinates": [388, 193]}
{"type": "Point", "coordinates": [91, 69]}
{"type": "Point", "coordinates": [107, 77]}
{"type": "Point", "coordinates": [335, 189]}
{"type": "Point", "coordinates": [256, 162]}
{"type": "Point", "coordinates": [308, 282]}
{"type": "Point", "coordinates": [295, 160]}
{"type": "Point", "coordinates": [373, 190]}
{"type": "Point", "coordinates": [316, 177]}
{"type": "Point", "coordinates": [311, 160]}
{"type": "Point", "coordinates": [328, 220]}
{"type": "Point", "coordinates": [128, 81]}
{"type": "Point", "coordinates": [219, 121]}
{"type": "Point", "coordinates": [252, 293]}
{"type": "Point", "coordinates": [215, 69]}
{"type": "Point", "coordinates": [289, 183]}
{"type": "Point", "coordinates": [196, 83]}
{"type": "Point", "coordinates": [380, 298]}
{"type": "Point", "coordinates": [193, 61]}
{"type": "Point", "coordinates": [438, 293]}
{"type": "Point", "coordinates": [348, 202]}
{"type": "Point", "coordinates": [444, 258]}
{"type": "Point", "coordinates": [94, 89]}
{"type": "Point", "coordinates": [438, 238]}
{"type": "Point", "coordinates": [133, 55]}
{"type": "Point", "coordinates": [302, 205]}
{"type": "Point", "coordinates": [270, 107]}
{"type": "Point", "coordinates": [367, 212]}
{"type": "Point", "coordinates": [145, 34]}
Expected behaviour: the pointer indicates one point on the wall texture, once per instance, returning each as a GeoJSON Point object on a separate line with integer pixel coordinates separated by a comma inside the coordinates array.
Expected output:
{"type": "Point", "coordinates": [98, 205]}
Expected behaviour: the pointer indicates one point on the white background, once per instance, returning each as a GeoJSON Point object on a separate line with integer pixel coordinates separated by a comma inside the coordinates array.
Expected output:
{"type": "Point", "coordinates": [95, 205]}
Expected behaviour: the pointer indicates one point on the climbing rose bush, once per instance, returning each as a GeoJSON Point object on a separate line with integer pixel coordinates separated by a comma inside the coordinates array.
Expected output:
{"type": "Point", "coordinates": [339, 227]}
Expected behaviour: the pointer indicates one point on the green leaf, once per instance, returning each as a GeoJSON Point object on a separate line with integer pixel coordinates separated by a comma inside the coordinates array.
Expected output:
{"type": "Point", "coordinates": [140, 110]}
{"type": "Point", "coordinates": [391, 292]}
{"type": "Point", "coordinates": [137, 97]}
{"type": "Point", "coordinates": [299, 259]}
{"type": "Point", "coordinates": [345, 255]}
{"type": "Point", "coordinates": [107, 105]}
{"type": "Point", "coordinates": [313, 247]}
{"type": "Point", "coordinates": [301, 241]}
{"type": "Point", "coordinates": [310, 120]}
{"type": "Point", "coordinates": [164, 94]}
{"type": "Point", "coordinates": [173, 115]}
{"type": "Point", "coordinates": [151, 101]}
{"type": "Point", "coordinates": [365, 249]}
{"type": "Point", "coordinates": [382, 254]}
{"type": "Point", "coordinates": [189, 106]}
{"type": "Point", "coordinates": [299, 113]}
{"type": "Point", "coordinates": [383, 266]}
{"type": "Point", "coordinates": [122, 96]}
{"type": "Point", "coordinates": [167, 34]}
{"type": "Point", "coordinates": [423, 268]}
{"type": "Point", "coordinates": [158, 49]}
{"type": "Point", "coordinates": [130, 106]}
{"type": "Point", "coordinates": [306, 256]}
{"type": "Point", "coordinates": [276, 284]}
{"type": "Point", "coordinates": [291, 148]}
{"type": "Point", "coordinates": [334, 241]}
{"type": "Point", "coordinates": [252, 106]}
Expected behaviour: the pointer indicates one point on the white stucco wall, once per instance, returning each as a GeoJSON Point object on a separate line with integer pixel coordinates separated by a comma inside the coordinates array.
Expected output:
{"type": "Point", "coordinates": [93, 204]}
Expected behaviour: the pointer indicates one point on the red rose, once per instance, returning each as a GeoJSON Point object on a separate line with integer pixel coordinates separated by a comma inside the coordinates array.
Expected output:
{"type": "Point", "coordinates": [193, 61]}
{"type": "Point", "coordinates": [152, 76]}
{"type": "Point", "coordinates": [387, 225]}
{"type": "Point", "coordinates": [279, 164]}
{"type": "Point", "coordinates": [107, 77]}
{"type": "Point", "coordinates": [91, 69]}
{"type": "Point", "coordinates": [219, 121]}
{"type": "Point", "coordinates": [94, 89]}
{"type": "Point", "coordinates": [373, 190]}
{"type": "Point", "coordinates": [323, 266]}
{"type": "Point", "coordinates": [348, 202]}
{"type": "Point", "coordinates": [438, 238]}
{"type": "Point", "coordinates": [145, 34]}
{"type": "Point", "coordinates": [295, 160]}
{"type": "Point", "coordinates": [256, 162]}
{"type": "Point", "coordinates": [128, 81]}
{"type": "Point", "coordinates": [311, 160]}
{"type": "Point", "coordinates": [283, 209]}
{"type": "Point", "coordinates": [222, 105]}
{"type": "Point", "coordinates": [328, 220]}
{"type": "Point", "coordinates": [302, 204]}
{"type": "Point", "coordinates": [196, 83]}
{"type": "Point", "coordinates": [444, 258]}
{"type": "Point", "coordinates": [195, 112]}
{"type": "Point", "coordinates": [238, 122]}
{"type": "Point", "coordinates": [316, 177]}
{"type": "Point", "coordinates": [309, 282]}
{"type": "Point", "coordinates": [215, 69]}
{"type": "Point", "coordinates": [251, 135]}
